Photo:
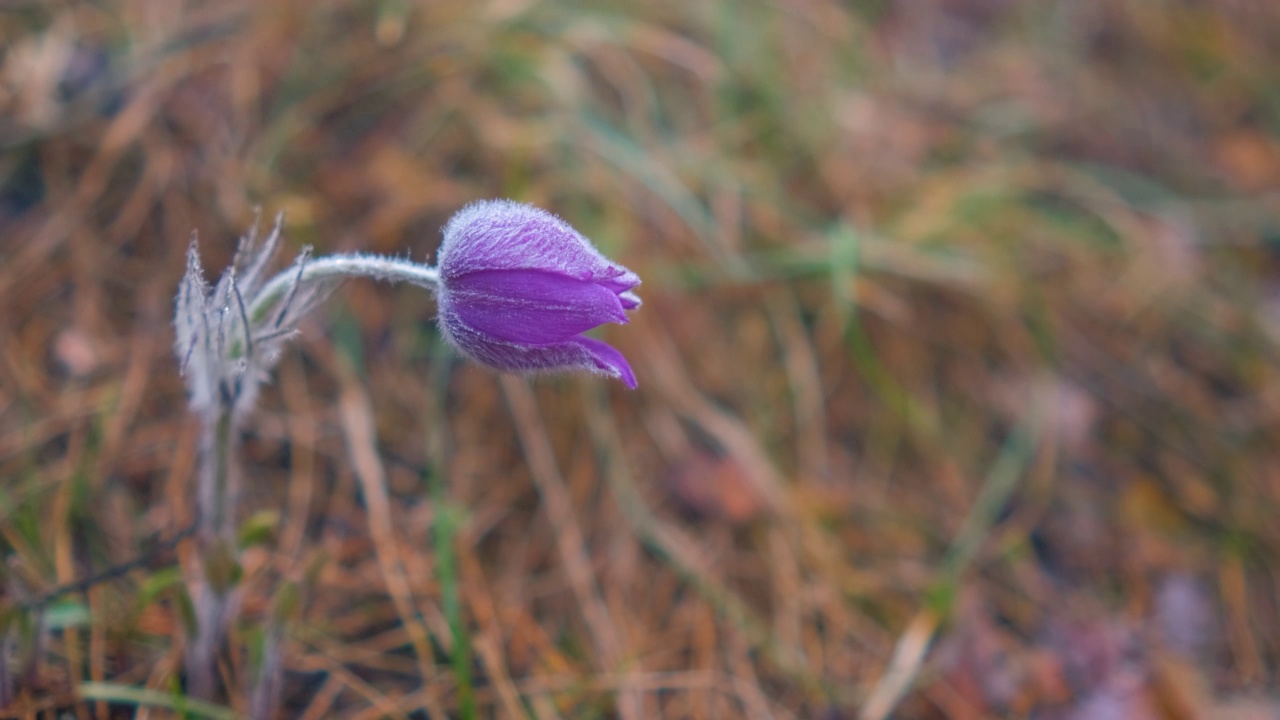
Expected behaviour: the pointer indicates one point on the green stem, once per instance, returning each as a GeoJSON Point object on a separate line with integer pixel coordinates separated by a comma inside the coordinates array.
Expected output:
{"type": "Point", "coordinates": [217, 557]}
{"type": "Point", "coordinates": [218, 521]}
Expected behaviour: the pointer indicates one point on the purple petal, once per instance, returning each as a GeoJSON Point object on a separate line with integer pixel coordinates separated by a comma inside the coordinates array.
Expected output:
{"type": "Point", "coordinates": [608, 360]}
{"type": "Point", "coordinates": [630, 301]}
{"type": "Point", "coordinates": [530, 307]}
{"type": "Point", "coordinates": [578, 353]}
{"type": "Point", "coordinates": [618, 279]}
{"type": "Point", "coordinates": [506, 235]}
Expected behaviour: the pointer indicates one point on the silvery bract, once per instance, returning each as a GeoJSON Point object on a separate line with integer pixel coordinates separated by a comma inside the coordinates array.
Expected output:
{"type": "Point", "coordinates": [229, 337]}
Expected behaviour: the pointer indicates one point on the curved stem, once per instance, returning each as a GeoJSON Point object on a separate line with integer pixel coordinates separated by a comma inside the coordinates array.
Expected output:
{"type": "Point", "coordinates": [336, 267]}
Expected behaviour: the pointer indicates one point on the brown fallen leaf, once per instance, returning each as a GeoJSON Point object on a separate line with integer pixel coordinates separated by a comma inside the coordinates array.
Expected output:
{"type": "Point", "coordinates": [712, 486]}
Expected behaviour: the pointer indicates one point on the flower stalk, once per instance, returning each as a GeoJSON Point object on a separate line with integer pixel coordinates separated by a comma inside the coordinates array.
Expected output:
{"type": "Point", "coordinates": [339, 267]}
{"type": "Point", "coordinates": [217, 559]}
{"type": "Point", "coordinates": [516, 288]}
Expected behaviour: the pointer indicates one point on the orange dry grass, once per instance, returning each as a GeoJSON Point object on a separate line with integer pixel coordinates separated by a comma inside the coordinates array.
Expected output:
{"type": "Point", "coordinates": [958, 360]}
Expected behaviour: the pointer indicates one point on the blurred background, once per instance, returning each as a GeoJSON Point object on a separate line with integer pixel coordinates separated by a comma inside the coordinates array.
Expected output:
{"type": "Point", "coordinates": [959, 394]}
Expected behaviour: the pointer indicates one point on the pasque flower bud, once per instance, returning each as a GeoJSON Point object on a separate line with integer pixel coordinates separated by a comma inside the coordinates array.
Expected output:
{"type": "Point", "coordinates": [518, 287]}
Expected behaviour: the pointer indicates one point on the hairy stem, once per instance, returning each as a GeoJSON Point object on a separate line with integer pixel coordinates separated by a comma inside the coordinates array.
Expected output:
{"type": "Point", "coordinates": [337, 267]}
{"type": "Point", "coordinates": [217, 558]}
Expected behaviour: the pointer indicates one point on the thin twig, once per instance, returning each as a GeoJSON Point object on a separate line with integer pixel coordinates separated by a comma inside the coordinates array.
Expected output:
{"type": "Point", "coordinates": [111, 573]}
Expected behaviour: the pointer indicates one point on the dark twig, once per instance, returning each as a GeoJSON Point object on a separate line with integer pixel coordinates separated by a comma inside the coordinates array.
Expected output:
{"type": "Point", "coordinates": [115, 571]}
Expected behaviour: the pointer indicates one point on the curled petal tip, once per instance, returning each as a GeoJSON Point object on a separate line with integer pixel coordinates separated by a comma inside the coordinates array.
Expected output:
{"type": "Point", "coordinates": [609, 361]}
{"type": "Point", "coordinates": [629, 300]}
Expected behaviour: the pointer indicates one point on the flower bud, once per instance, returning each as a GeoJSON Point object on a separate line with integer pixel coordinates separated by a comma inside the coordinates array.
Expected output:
{"type": "Point", "coordinates": [518, 287]}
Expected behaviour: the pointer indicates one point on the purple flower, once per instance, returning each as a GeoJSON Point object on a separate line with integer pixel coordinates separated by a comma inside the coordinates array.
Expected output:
{"type": "Point", "coordinates": [518, 286]}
